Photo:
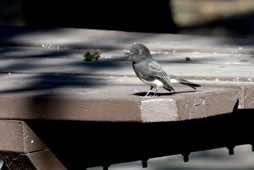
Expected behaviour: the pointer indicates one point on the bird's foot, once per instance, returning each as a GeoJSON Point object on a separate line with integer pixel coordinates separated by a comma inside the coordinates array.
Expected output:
{"type": "Point", "coordinates": [154, 94]}
{"type": "Point", "coordinates": [147, 94]}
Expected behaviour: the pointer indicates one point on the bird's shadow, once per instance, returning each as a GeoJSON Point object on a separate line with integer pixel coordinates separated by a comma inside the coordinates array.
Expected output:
{"type": "Point", "coordinates": [152, 94]}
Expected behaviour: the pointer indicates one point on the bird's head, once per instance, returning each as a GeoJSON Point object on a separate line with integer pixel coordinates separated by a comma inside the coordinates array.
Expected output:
{"type": "Point", "coordinates": [138, 52]}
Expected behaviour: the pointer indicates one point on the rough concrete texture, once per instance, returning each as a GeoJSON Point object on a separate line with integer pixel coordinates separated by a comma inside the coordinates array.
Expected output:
{"type": "Point", "coordinates": [159, 110]}
{"type": "Point", "coordinates": [93, 98]}
{"type": "Point", "coordinates": [61, 51]}
{"type": "Point", "coordinates": [213, 102]}
{"type": "Point", "coordinates": [248, 97]}
{"type": "Point", "coordinates": [54, 62]}
{"type": "Point", "coordinates": [246, 90]}
{"type": "Point", "coordinates": [45, 160]}
{"type": "Point", "coordinates": [31, 141]}
{"type": "Point", "coordinates": [102, 104]}
{"type": "Point", "coordinates": [16, 161]}
{"type": "Point", "coordinates": [22, 149]}
{"type": "Point", "coordinates": [235, 67]}
{"type": "Point", "coordinates": [11, 136]}
{"type": "Point", "coordinates": [41, 160]}
{"type": "Point", "coordinates": [16, 136]}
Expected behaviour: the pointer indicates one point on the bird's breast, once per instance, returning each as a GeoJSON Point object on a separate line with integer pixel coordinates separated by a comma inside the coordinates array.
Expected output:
{"type": "Point", "coordinates": [157, 82]}
{"type": "Point", "coordinates": [154, 83]}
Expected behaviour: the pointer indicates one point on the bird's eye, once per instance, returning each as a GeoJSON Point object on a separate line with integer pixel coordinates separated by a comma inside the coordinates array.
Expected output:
{"type": "Point", "coordinates": [133, 51]}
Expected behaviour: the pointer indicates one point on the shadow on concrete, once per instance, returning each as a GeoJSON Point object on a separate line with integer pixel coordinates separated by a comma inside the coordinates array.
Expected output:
{"type": "Point", "coordinates": [10, 36]}
{"type": "Point", "coordinates": [163, 94]}
{"type": "Point", "coordinates": [26, 60]}
{"type": "Point", "coordinates": [50, 83]}
{"type": "Point", "coordinates": [84, 144]}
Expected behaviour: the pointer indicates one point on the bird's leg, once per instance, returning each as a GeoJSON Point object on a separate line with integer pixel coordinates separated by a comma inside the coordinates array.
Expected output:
{"type": "Point", "coordinates": [155, 92]}
{"type": "Point", "coordinates": [151, 88]}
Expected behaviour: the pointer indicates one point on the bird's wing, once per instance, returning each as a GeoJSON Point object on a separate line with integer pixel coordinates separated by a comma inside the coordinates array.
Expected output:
{"type": "Point", "coordinates": [156, 70]}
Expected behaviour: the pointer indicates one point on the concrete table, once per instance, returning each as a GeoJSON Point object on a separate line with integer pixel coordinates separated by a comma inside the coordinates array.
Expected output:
{"type": "Point", "coordinates": [47, 87]}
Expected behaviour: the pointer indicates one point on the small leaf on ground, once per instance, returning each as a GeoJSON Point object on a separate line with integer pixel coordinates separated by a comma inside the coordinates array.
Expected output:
{"type": "Point", "coordinates": [92, 55]}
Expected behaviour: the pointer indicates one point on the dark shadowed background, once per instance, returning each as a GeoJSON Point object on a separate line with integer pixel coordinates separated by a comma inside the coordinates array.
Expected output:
{"type": "Point", "coordinates": [219, 17]}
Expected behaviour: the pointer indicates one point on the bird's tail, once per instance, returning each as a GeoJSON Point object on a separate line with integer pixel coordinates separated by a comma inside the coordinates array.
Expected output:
{"type": "Point", "coordinates": [187, 83]}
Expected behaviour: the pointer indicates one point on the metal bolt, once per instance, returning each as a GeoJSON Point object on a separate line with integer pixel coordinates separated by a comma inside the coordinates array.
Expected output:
{"type": "Point", "coordinates": [231, 150]}
{"type": "Point", "coordinates": [186, 157]}
{"type": "Point", "coordinates": [144, 163]}
{"type": "Point", "coordinates": [105, 167]}
{"type": "Point", "coordinates": [235, 109]}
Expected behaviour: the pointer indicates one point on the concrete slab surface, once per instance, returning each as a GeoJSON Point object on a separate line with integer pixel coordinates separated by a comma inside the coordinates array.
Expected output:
{"type": "Point", "coordinates": [68, 100]}
{"type": "Point", "coordinates": [44, 77]}
{"type": "Point", "coordinates": [16, 136]}
{"type": "Point", "coordinates": [60, 50]}
{"type": "Point", "coordinates": [45, 159]}
{"type": "Point", "coordinates": [202, 65]}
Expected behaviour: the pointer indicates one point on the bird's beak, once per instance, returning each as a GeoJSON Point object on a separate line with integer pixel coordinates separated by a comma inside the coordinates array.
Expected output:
{"type": "Point", "coordinates": [129, 55]}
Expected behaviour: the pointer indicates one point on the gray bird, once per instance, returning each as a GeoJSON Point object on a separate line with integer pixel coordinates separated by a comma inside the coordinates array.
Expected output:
{"type": "Point", "coordinates": [150, 72]}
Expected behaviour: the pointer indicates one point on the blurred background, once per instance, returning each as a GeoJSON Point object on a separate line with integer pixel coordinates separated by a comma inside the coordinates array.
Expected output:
{"type": "Point", "coordinates": [209, 17]}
